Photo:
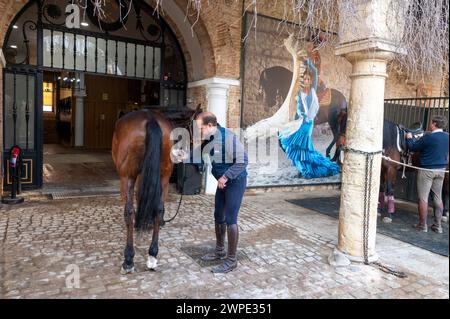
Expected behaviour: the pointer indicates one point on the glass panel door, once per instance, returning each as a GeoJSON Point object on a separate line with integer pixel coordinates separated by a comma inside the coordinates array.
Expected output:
{"type": "Point", "coordinates": [20, 124]}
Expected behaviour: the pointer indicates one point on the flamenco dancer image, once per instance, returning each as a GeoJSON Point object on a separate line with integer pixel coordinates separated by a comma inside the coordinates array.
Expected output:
{"type": "Point", "coordinates": [298, 144]}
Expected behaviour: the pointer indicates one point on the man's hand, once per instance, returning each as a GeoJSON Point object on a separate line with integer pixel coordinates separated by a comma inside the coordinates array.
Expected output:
{"type": "Point", "coordinates": [409, 135]}
{"type": "Point", "coordinates": [221, 182]}
{"type": "Point", "coordinates": [179, 156]}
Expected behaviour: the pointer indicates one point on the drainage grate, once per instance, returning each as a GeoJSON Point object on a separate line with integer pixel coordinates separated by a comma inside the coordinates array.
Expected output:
{"type": "Point", "coordinates": [67, 195]}
{"type": "Point", "coordinates": [196, 252]}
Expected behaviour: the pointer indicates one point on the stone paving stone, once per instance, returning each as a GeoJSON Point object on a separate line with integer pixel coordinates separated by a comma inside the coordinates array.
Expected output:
{"type": "Point", "coordinates": [276, 259]}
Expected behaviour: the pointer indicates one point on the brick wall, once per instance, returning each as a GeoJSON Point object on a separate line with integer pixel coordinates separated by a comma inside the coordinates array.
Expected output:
{"type": "Point", "coordinates": [219, 29]}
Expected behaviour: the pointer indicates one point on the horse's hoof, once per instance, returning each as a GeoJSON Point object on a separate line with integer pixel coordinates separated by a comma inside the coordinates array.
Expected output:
{"type": "Point", "coordinates": [126, 271]}
{"type": "Point", "coordinates": [379, 214]}
{"type": "Point", "coordinates": [151, 263]}
{"type": "Point", "coordinates": [387, 220]}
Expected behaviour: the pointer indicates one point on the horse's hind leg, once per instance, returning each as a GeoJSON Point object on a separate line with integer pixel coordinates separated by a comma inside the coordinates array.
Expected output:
{"type": "Point", "coordinates": [164, 192]}
{"type": "Point", "coordinates": [159, 221]}
{"type": "Point", "coordinates": [129, 215]}
{"type": "Point", "coordinates": [153, 250]}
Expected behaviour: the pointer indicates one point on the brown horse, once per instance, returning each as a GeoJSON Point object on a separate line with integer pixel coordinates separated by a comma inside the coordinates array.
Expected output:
{"type": "Point", "coordinates": [333, 112]}
{"type": "Point", "coordinates": [394, 149]}
{"type": "Point", "coordinates": [141, 148]}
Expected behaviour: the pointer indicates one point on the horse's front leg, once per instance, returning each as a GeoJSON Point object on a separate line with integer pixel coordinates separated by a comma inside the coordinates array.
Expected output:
{"type": "Point", "coordinates": [129, 215]}
{"type": "Point", "coordinates": [390, 185]}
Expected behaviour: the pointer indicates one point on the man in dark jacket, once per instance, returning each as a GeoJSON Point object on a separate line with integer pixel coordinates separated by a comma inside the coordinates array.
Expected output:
{"type": "Point", "coordinates": [433, 148]}
{"type": "Point", "coordinates": [229, 161]}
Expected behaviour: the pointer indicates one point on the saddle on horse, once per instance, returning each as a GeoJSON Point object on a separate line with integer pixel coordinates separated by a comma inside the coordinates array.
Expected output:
{"type": "Point", "coordinates": [416, 130]}
{"type": "Point", "coordinates": [402, 145]}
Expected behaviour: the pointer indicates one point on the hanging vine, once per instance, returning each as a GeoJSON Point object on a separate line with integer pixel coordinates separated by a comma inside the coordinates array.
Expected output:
{"type": "Point", "coordinates": [424, 36]}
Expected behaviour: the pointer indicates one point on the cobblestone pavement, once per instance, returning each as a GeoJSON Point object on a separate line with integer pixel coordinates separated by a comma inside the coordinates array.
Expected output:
{"type": "Point", "coordinates": [42, 242]}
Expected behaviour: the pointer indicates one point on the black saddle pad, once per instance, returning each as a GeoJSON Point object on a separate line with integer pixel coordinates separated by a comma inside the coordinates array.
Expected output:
{"type": "Point", "coordinates": [400, 228]}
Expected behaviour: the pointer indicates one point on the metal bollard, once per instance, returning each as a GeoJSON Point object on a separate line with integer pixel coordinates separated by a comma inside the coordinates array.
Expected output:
{"type": "Point", "coordinates": [15, 168]}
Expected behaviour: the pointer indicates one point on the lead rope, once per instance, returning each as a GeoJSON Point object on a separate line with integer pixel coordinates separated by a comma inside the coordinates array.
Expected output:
{"type": "Point", "coordinates": [369, 156]}
{"type": "Point", "coordinates": [178, 209]}
{"type": "Point", "coordinates": [184, 174]}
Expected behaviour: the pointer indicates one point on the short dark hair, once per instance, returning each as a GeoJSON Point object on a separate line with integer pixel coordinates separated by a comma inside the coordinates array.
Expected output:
{"type": "Point", "coordinates": [440, 121]}
{"type": "Point", "coordinates": [207, 118]}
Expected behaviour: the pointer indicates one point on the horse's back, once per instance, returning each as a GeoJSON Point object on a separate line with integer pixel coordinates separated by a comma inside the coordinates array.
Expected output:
{"type": "Point", "coordinates": [128, 145]}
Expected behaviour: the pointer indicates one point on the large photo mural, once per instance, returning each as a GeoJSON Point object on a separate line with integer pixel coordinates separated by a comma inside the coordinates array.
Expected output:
{"type": "Point", "coordinates": [295, 97]}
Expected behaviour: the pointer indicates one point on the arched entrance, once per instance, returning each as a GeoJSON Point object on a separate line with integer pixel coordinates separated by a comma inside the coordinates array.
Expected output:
{"type": "Point", "coordinates": [68, 78]}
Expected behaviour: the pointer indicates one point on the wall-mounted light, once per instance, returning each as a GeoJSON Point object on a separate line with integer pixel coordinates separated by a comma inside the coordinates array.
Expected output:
{"type": "Point", "coordinates": [15, 27]}
{"type": "Point", "coordinates": [48, 97]}
{"type": "Point", "coordinates": [13, 46]}
{"type": "Point", "coordinates": [84, 24]}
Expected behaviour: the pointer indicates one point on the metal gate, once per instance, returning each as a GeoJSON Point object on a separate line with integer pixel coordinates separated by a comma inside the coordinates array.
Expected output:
{"type": "Point", "coordinates": [38, 40]}
{"type": "Point", "coordinates": [23, 121]}
{"type": "Point", "coordinates": [407, 112]}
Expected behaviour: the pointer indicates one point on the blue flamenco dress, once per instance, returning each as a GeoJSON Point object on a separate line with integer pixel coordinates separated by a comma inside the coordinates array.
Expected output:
{"type": "Point", "coordinates": [299, 147]}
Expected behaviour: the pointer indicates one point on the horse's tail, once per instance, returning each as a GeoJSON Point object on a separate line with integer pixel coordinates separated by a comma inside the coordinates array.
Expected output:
{"type": "Point", "coordinates": [150, 188]}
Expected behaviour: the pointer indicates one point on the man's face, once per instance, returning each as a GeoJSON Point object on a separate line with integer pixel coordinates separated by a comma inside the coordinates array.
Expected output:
{"type": "Point", "coordinates": [205, 130]}
{"type": "Point", "coordinates": [432, 126]}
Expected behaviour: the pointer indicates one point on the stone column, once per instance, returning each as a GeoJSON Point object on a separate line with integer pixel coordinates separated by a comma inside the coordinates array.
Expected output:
{"type": "Point", "coordinates": [369, 52]}
{"type": "Point", "coordinates": [80, 94]}
{"type": "Point", "coordinates": [217, 97]}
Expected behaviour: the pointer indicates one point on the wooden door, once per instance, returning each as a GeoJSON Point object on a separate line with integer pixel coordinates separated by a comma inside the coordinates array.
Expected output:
{"type": "Point", "coordinates": [106, 96]}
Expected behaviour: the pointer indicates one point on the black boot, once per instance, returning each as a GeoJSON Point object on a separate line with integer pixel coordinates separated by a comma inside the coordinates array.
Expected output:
{"type": "Point", "coordinates": [230, 262]}
{"type": "Point", "coordinates": [220, 252]}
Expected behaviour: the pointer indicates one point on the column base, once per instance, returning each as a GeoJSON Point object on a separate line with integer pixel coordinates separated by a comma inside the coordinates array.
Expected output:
{"type": "Point", "coordinates": [339, 259]}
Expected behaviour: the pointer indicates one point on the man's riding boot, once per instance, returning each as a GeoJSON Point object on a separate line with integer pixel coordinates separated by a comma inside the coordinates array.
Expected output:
{"type": "Point", "coordinates": [220, 252]}
{"type": "Point", "coordinates": [437, 226]}
{"type": "Point", "coordinates": [230, 262]}
{"type": "Point", "coordinates": [423, 212]}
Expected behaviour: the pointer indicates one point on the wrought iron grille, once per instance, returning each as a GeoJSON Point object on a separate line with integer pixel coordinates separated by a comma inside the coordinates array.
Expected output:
{"type": "Point", "coordinates": [408, 111]}
{"type": "Point", "coordinates": [82, 52]}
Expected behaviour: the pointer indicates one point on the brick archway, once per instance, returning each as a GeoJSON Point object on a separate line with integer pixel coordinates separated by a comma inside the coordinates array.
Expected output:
{"type": "Point", "coordinates": [192, 45]}
{"type": "Point", "coordinates": [196, 46]}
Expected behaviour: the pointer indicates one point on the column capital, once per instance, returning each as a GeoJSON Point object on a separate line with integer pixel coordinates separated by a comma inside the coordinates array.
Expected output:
{"type": "Point", "coordinates": [215, 82]}
{"type": "Point", "coordinates": [371, 48]}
